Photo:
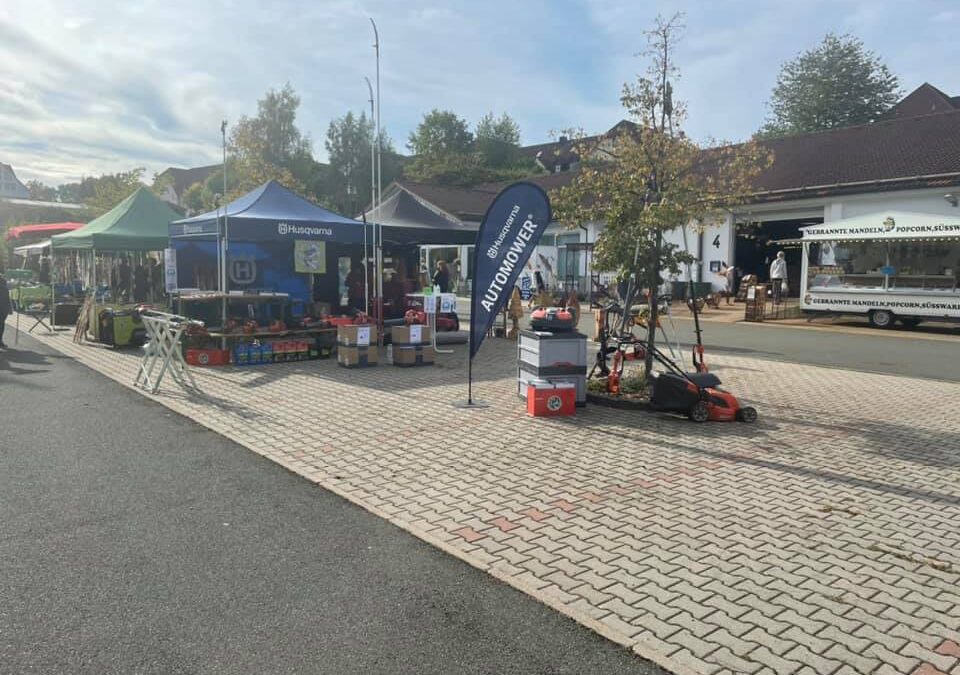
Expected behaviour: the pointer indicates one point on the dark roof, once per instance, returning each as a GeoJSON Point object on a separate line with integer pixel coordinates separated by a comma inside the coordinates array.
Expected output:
{"type": "Point", "coordinates": [184, 178]}
{"type": "Point", "coordinates": [904, 150]}
{"type": "Point", "coordinates": [469, 204]}
{"type": "Point", "coordinates": [563, 150]}
{"type": "Point", "coordinates": [924, 100]}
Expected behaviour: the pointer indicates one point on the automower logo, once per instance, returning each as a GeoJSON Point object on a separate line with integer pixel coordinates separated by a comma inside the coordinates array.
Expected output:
{"type": "Point", "coordinates": [889, 223]}
{"type": "Point", "coordinates": [243, 271]}
{"type": "Point", "coordinates": [554, 403]}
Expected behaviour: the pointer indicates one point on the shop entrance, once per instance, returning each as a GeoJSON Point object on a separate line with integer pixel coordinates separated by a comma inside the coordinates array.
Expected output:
{"type": "Point", "coordinates": [754, 251]}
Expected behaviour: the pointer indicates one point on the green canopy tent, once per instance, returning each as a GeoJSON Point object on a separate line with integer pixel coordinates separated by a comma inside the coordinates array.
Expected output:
{"type": "Point", "coordinates": [136, 225]}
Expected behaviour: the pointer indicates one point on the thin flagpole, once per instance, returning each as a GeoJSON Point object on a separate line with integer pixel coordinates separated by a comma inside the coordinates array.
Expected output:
{"type": "Point", "coordinates": [373, 203]}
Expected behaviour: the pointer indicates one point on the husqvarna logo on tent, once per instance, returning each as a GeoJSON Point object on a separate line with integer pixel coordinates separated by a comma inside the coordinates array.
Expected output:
{"type": "Point", "coordinates": [243, 271]}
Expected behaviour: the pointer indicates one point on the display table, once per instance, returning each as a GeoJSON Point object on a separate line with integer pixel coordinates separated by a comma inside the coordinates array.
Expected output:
{"type": "Point", "coordinates": [434, 303]}
{"type": "Point", "coordinates": [278, 334]}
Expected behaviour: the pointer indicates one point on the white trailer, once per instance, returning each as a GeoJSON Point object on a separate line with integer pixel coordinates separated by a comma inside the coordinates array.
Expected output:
{"type": "Point", "coordinates": [889, 266]}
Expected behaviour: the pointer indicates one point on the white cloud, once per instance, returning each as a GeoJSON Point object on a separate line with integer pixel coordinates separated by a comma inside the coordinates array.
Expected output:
{"type": "Point", "coordinates": [88, 86]}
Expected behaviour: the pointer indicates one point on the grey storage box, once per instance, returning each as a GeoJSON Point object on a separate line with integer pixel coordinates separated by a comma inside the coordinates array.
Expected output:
{"type": "Point", "coordinates": [555, 357]}
{"type": "Point", "coordinates": [544, 349]}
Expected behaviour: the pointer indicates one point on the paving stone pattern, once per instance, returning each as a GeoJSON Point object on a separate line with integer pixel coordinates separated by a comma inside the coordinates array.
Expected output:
{"type": "Point", "coordinates": [825, 539]}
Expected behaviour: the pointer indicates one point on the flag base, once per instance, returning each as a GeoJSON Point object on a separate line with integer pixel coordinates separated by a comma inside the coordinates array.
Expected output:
{"type": "Point", "coordinates": [470, 404]}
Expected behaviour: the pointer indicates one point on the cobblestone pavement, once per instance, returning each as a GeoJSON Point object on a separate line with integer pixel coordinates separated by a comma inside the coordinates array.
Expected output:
{"type": "Point", "coordinates": [825, 539]}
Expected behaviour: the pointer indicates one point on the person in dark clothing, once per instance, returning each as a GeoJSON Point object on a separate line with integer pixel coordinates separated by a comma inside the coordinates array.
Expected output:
{"type": "Point", "coordinates": [4, 307]}
{"type": "Point", "coordinates": [141, 282]}
{"type": "Point", "coordinates": [123, 276]}
{"type": "Point", "coordinates": [44, 276]}
{"type": "Point", "coordinates": [157, 287]}
{"type": "Point", "coordinates": [441, 278]}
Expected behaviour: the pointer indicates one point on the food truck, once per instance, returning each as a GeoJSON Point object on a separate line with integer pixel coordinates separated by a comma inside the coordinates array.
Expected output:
{"type": "Point", "coordinates": [889, 266]}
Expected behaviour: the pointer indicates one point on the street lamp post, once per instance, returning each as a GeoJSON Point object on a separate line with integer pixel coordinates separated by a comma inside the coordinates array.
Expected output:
{"type": "Point", "coordinates": [378, 231]}
{"type": "Point", "coordinates": [373, 202]}
{"type": "Point", "coordinates": [226, 236]}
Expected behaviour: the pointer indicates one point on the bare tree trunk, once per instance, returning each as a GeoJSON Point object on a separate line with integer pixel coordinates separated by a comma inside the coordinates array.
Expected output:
{"type": "Point", "coordinates": [654, 286]}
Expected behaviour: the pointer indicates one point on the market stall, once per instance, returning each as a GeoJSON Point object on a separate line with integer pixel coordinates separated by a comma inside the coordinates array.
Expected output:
{"type": "Point", "coordinates": [887, 266]}
{"type": "Point", "coordinates": [117, 260]}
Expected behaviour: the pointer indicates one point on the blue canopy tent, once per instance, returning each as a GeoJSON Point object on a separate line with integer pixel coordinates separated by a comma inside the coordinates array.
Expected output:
{"type": "Point", "coordinates": [276, 241]}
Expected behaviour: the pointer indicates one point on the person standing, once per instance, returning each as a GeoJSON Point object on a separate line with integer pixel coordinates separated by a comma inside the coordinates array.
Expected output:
{"type": "Point", "coordinates": [729, 273]}
{"type": "Point", "coordinates": [123, 276]}
{"type": "Point", "coordinates": [4, 307]}
{"type": "Point", "coordinates": [141, 278]}
{"type": "Point", "coordinates": [441, 278]}
{"type": "Point", "coordinates": [778, 276]}
{"type": "Point", "coordinates": [157, 286]}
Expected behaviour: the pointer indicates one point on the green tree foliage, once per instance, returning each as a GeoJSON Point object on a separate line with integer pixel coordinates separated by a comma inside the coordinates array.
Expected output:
{"type": "Point", "coordinates": [498, 141]}
{"type": "Point", "coordinates": [349, 145]}
{"type": "Point", "coordinates": [266, 147]}
{"type": "Point", "coordinates": [651, 177]}
{"type": "Point", "coordinates": [112, 188]}
{"type": "Point", "coordinates": [40, 191]}
{"type": "Point", "coordinates": [447, 152]}
{"type": "Point", "coordinates": [272, 136]}
{"type": "Point", "coordinates": [839, 83]}
{"type": "Point", "coordinates": [441, 133]}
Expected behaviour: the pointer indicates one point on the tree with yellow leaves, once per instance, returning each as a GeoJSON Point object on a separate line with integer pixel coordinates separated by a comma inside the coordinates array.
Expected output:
{"type": "Point", "coordinates": [649, 177]}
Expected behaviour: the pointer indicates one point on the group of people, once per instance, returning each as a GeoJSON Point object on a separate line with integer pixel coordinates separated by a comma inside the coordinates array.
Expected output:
{"type": "Point", "coordinates": [142, 283]}
{"type": "Point", "coordinates": [778, 278]}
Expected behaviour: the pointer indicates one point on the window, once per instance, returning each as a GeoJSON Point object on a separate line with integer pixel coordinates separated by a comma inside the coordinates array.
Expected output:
{"type": "Point", "coordinates": [883, 265]}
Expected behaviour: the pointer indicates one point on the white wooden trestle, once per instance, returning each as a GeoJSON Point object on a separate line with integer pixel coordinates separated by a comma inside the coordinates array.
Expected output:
{"type": "Point", "coordinates": [163, 352]}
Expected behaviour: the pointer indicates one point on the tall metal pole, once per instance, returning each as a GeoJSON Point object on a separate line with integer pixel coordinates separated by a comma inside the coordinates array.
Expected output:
{"type": "Point", "coordinates": [226, 235]}
{"type": "Point", "coordinates": [378, 229]}
{"type": "Point", "coordinates": [373, 202]}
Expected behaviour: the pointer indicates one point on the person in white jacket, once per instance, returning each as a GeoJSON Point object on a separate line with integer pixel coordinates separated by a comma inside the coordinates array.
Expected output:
{"type": "Point", "coordinates": [778, 276]}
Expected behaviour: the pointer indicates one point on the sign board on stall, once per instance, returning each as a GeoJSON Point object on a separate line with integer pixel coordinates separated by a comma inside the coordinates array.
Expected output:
{"type": "Point", "coordinates": [363, 336]}
{"type": "Point", "coordinates": [20, 275]}
{"type": "Point", "coordinates": [448, 303]}
{"type": "Point", "coordinates": [170, 270]}
{"type": "Point", "coordinates": [430, 304]}
{"type": "Point", "coordinates": [416, 334]}
{"type": "Point", "coordinates": [310, 257]}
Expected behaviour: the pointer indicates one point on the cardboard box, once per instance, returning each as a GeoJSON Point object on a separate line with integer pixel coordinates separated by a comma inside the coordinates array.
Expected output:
{"type": "Point", "coordinates": [411, 335]}
{"type": "Point", "coordinates": [357, 357]}
{"type": "Point", "coordinates": [356, 336]}
{"type": "Point", "coordinates": [413, 356]}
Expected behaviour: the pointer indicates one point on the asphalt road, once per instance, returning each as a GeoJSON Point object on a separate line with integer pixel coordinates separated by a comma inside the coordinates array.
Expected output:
{"type": "Point", "coordinates": [851, 346]}
{"type": "Point", "coordinates": [865, 350]}
{"type": "Point", "coordinates": [133, 541]}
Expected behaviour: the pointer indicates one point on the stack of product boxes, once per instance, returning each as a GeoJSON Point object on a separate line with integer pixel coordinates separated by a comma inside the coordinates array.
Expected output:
{"type": "Point", "coordinates": [412, 346]}
{"type": "Point", "coordinates": [277, 351]}
{"type": "Point", "coordinates": [547, 359]}
{"type": "Point", "coordinates": [356, 346]}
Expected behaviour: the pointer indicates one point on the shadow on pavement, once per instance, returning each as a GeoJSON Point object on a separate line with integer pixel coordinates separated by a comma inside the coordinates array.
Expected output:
{"type": "Point", "coordinates": [928, 447]}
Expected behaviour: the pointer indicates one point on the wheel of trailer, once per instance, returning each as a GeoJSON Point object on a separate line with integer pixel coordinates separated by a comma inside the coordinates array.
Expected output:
{"type": "Point", "coordinates": [747, 414]}
{"type": "Point", "coordinates": [881, 318]}
{"type": "Point", "coordinates": [700, 412]}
